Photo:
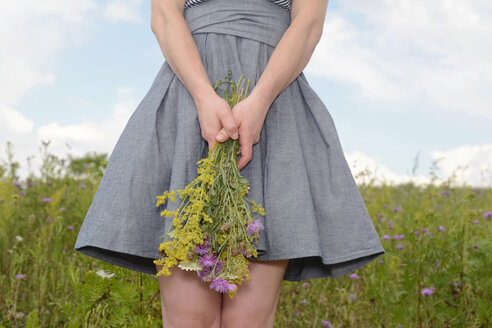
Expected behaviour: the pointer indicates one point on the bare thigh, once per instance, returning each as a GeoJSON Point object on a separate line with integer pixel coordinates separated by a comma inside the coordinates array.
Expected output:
{"type": "Point", "coordinates": [187, 301]}
{"type": "Point", "coordinates": [255, 302]}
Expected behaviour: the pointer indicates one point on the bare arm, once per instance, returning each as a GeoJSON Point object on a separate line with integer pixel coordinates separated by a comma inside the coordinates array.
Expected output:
{"type": "Point", "coordinates": [287, 61]}
{"type": "Point", "coordinates": [182, 55]}
{"type": "Point", "coordinates": [294, 49]}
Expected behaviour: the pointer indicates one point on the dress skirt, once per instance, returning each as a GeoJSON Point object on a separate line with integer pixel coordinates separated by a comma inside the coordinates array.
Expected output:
{"type": "Point", "coordinates": [314, 213]}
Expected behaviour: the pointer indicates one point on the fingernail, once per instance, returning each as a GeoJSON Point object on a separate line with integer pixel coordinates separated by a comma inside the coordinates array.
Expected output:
{"type": "Point", "coordinates": [235, 135]}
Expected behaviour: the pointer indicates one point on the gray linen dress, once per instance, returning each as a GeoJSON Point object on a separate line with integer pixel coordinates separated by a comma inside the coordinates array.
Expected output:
{"type": "Point", "coordinates": [315, 215]}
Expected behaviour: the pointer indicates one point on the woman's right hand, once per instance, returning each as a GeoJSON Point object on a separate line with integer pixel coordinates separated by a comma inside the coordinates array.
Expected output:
{"type": "Point", "coordinates": [214, 113]}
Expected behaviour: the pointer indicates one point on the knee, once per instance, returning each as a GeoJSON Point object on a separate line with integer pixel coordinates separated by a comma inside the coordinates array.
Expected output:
{"type": "Point", "coordinates": [207, 320]}
{"type": "Point", "coordinates": [248, 319]}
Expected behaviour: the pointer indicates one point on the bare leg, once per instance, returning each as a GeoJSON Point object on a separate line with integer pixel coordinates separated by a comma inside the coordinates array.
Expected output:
{"type": "Point", "coordinates": [255, 302]}
{"type": "Point", "coordinates": [187, 301]}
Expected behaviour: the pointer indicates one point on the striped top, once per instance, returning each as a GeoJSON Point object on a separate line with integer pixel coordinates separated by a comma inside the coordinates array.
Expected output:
{"type": "Point", "coordinates": [286, 4]}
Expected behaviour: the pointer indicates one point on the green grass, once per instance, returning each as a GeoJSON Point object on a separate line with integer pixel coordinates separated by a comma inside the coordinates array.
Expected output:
{"type": "Point", "coordinates": [60, 287]}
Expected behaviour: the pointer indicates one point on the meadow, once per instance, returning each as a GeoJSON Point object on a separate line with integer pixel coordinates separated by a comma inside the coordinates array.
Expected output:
{"type": "Point", "coordinates": [436, 271]}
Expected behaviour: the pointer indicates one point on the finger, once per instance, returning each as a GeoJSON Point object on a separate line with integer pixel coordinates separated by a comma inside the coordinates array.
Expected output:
{"type": "Point", "coordinates": [246, 151]}
{"type": "Point", "coordinates": [229, 124]}
{"type": "Point", "coordinates": [222, 135]}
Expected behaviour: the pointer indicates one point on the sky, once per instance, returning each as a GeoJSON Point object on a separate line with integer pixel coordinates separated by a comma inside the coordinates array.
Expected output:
{"type": "Point", "coordinates": [408, 83]}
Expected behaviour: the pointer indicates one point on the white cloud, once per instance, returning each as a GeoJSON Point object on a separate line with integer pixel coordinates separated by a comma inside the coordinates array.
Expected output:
{"type": "Point", "coordinates": [466, 165]}
{"type": "Point", "coordinates": [31, 34]}
{"type": "Point", "coordinates": [365, 169]}
{"type": "Point", "coordinates": [12, 122]}
{"type": "Point", "coordinates": [123, 10]}
{"type": "Point", "coordinates": [470, 164]}
{"type": "Point", "coordinates": [399, 51]}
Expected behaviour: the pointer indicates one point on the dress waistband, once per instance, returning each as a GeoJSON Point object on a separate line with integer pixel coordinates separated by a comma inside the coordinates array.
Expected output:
{"type": "Point", "coordinates": [261, 20]}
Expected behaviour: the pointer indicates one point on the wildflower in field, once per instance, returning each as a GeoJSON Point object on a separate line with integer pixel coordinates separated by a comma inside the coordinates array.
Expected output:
{"type": "Point", "coordinates": [487, 215]}
{"type": "Point", "coordinates": [476, 221]}
{"type": "Point", "coordinates": [19, 238]}
{"type": "Point", "coordinates": [476, 247]}
{"type": "Point", "coordinates": [49, 219]}
{"type": "Point", "coordinates": [352, 296]}
{"type": "Point", "coordinates": [70, 227]}
{"type": "Point", "coordinates": [46, 200]}
{"type": "Point", "coordinates": [427, 291]}
{"type": "Point", "coordinates": [385, 237]}
{"type": "Point", "coordinates": [441, 228]}
{"type": "Point", "coordinates": [390, 224]}
{"type": "Point", "coordinates": [297, 313]}
{"type": "Point", "coordinates": [435, 266]}
{"type": "Point", "coordinates": [20, 276]}
{"type": "Point", "coordinates": [416, 232]}
{"type": "Point", "coordinates": [397, 237]}
{"type": "Point", "coordinates": [17, 183]}
{"type": "Point", "coordinates": [380, 215]}
{"type": "Point", "coordinates": [381, 261]}
{"type": "Point", "coordinates": [400, 246]}
{"type": "Point", "coordinates": [386, 206]}
{"type": "Point", "coordinates": [306, 284]}
{"type": "Point", "coordinates": [326, 323]}
{"type": "Point", "coordinates": [445, 193]}
{"type": "Point", "coordinates": [83, 186]}
{"type": "Point", "coordinates": [104, 274]}
{"type": "Point", "coordinates": [22, 193]}
{"type": "Point", "coordinates": [428, 233]}
{"type": "Point", "coordinates": [397, 209]}
{"type": "Point", "coordinates": [304, 301]}
{"type": "Point", "coordinates": [354, 276]}
{"type": "Point", "coordinates": [62, 208]}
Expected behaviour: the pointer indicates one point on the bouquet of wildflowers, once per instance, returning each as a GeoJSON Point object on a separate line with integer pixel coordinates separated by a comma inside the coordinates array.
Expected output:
{"type": "Point", "coordinates": [214, 227]}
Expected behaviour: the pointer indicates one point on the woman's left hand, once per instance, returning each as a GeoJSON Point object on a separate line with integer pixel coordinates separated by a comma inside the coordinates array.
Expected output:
{"type": "Point", "coordinates": [249, 115]}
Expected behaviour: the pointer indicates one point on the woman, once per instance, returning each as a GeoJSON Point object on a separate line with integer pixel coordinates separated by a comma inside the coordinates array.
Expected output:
{"type": "Point", "coordinates": [316, 223]}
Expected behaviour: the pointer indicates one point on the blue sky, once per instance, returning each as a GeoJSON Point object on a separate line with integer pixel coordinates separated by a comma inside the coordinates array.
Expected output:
{"type": "Point", "coordinates": [397, 78]}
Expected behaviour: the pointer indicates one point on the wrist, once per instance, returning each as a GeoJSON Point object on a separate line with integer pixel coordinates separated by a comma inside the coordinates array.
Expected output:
{"type": "Point", "coordinates": [202, 91]}
{"type": "Point", "coordinates": [263, 95]}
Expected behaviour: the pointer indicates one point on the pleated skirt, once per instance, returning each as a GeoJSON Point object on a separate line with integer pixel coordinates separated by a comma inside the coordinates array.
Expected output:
{"type": "Point", "coordinates": [315, 215]}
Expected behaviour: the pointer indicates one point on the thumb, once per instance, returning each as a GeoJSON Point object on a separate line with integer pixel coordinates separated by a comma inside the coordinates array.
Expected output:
{"type": "Point", "coordinates": [222, 135]}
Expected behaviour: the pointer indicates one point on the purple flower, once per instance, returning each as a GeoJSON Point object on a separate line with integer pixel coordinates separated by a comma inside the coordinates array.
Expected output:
{"type": "Point", "coordinates": [202, 249]}
{"type": "Point", "coordinates": [476, 247]}
{"type": "Point", "coordinates": [428, 233]}
{"type": "Point", "coordinates": [306, 284]}
{"type": "Point", "coordinates": [304, 301]}
{"type": "Point", "coordinates": [380, 261]}
{"type": "Point", "coordinates": [46, 200]}
{"type": "Point", "coordinates": [62, 208]}
{"type": "Point", "coordinates": [380, 215]}
{"type": "Point", "coordinates": [427, 291]}
{"type": "Point", "coordinates": [222, 285]}
{"type": "Point", "coordinates": [397, 209]}
{"type": "Point", "coordinates": [83, 186]}
{"type": "Point", "coordinates": [254, 227]}
{"type": "Point", "coordinates": [416, 232]}
{"type": "Point", "coordinates": [20, 276]}
{"type": "Point", "coordinates": [386, 206]}
{"type": "Point", "coordinates": [297, 313]}
{"type": "Point", "coordinates": [70, 227]}
{"type": "Point", "coordinates": [487, 215]}
{"type": "Point", "coordinates": [441, 228]}
{"type": "Point", "coordinates": [354, 276]}
{"type": "Point", "coordinates": [49, 219]}
{"type": "Point", "coordinates": [326, 323]}
{"type": "Point", "coordinates": [476, 222]}
{"type": "Point", "coordinates": [385, 237]}
{"type": "Point", "coordinates": [445, 193]}
{"type": "Point", "coordinates": [390, 224]}
{"type": "Point", "coordinates": [22, 193]}
{"type": "Point", "coordinates": [400, 246]}
{"type": "Point", "coordinates": [208, 261]}
{"type": "Point", "coordinates": [396, 237]}
{"type": "Point", "coordinates": [17, 183]}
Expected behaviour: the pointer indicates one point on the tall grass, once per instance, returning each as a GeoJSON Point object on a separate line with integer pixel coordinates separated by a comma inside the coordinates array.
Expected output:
{"type": "Point", "coordinates": [436, 272]}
